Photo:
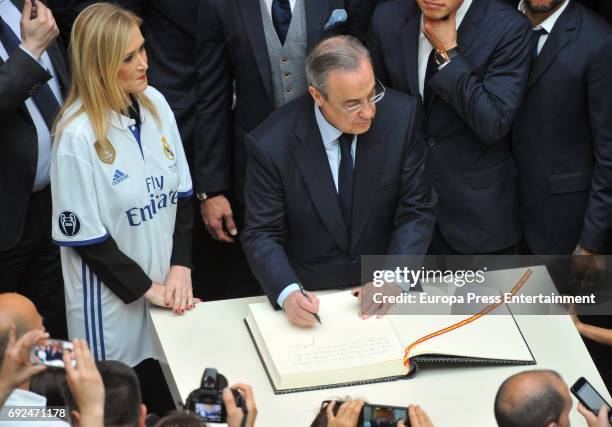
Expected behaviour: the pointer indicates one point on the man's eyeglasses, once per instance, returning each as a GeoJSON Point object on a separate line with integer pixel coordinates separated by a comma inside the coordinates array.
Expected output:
{"type": "Point", "coordinates": [379, 90]}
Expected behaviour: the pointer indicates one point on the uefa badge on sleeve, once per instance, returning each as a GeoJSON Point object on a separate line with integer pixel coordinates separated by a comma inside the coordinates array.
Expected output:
{"type": "Point", "coordinates": [167, 150]}
{"type": "Point", "coordinates": [69, 224]}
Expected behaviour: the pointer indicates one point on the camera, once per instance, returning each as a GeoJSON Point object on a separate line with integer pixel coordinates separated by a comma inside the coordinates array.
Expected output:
{"type": "Point", "coordinates": [51, 353]}
{"type": "Point", "coordinates": [207, 401]}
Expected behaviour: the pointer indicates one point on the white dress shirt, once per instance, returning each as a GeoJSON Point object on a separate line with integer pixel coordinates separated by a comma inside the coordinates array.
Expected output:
{"type": "Point", "coordinates": [21, 398]}
{"type": "Point", "coordinates": [269, 5]}
{"type": "Point", "coordinates": [548, 24]}
{"type": "Point", "coordinates": [329, 135]}
{"type": "Point", "coordinates": [11, 15]}
{"type": "Point", "coordinates": [425, 47]}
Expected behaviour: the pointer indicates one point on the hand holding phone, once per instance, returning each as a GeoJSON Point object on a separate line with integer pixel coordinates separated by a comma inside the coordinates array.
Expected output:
{"type": "Point", "coordinates": [591, 400]}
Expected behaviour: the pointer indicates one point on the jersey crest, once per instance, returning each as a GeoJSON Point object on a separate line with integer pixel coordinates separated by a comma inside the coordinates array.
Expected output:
{"type": "Point", "coordinates": [106, 155]}
{"type": "Point", "coordinates": [167, 150]}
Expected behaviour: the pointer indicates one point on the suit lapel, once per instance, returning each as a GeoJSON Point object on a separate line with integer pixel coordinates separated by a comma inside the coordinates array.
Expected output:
{"type": "Point", "coordinates": [561, 35]}
{"type": "Point", "coordinates": [253, 23]}
{"type": "Point", "coordinates": [314, 22]}
{"type": "Point", "coordinates": [468, 31]}
{"type": "Point", "coordinates": [311, 161]}
{"type": "Point", "coordinates": [370, 159]}
{"type": "Point", "coordinates": [410, 44]}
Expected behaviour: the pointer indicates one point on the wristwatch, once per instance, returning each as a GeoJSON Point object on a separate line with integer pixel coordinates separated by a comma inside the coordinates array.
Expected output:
{"type": "Point", "coordinates": [442, 57]}
{"type": "Point", "coordinates": [203, 196]}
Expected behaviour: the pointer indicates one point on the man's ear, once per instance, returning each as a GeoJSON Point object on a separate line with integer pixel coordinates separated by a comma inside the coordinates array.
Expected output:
{"type": "Point", "coordinates": [143, 415]}
{"type": "Point", "coordinates": [316, 95]}
{"type": "Point", "coordinates": [76, 418]}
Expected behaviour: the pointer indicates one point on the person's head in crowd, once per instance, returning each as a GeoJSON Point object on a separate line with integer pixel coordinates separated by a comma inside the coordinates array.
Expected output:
{"type": "Point", "coordinates": [543, 6]}
{"type": "Point", "coordinates": [15, 309]}
{"type": "Point", "coordinates": [538, 398]}
{"type": "Point", "coordinates": [341, 82]}
{"type": "Point", "coordinates": [440, 9]}
{"type": "Point", "coordinates": [180, 419]}
{"type": "Point", "coordinates": [123, 405]}
{"type": "Point", "coordinates": [51, 384]}
{"type": "Point", "coordinates": [108, 67]}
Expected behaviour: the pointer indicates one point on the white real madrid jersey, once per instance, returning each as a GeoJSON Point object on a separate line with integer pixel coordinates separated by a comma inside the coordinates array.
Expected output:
{"type": "Point", "coordinates": [130, 192]}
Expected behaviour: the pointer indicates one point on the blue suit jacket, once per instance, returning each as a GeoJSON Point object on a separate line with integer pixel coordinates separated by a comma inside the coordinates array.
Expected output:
{"type": "Point", "coordinates": [468, 120]}
{"type": "Point", "coordinates": [563, 138]}
{"type": "Point", "coordinates": [294, 228]}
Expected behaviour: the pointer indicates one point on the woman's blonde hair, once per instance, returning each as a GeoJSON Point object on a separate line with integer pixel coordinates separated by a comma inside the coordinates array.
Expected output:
{"type": "Point", "coordinates": [98, 43]}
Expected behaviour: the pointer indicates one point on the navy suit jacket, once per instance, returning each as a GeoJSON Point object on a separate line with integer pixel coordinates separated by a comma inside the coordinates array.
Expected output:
{"type": "Point", "coordinates": [563, 138]}
{"type": "Point", "coordinates": [468, 120]}
{"type": "Point", "coordinates": [20, 77]}
{"type": "Point", "coordinates": [231, 51]}
{"type": "Point", "coordinates": [294, 228]}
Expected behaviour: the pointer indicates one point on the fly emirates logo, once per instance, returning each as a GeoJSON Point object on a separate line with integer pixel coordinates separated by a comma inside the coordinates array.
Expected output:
{"type": "Point", "coordinates": [158, 200]}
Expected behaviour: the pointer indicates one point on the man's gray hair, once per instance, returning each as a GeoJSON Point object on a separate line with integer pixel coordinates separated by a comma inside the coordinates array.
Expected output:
{"type": "Point", "coordinates": [343, 53]}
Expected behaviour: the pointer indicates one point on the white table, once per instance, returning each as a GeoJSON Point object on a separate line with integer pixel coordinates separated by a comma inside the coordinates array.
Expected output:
{"type": "Point", "coordinates": [214, 335]}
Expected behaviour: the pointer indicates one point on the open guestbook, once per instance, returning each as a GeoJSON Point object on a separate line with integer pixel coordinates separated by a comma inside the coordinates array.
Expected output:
{"type": "Point", "coordinates": [347, 350]}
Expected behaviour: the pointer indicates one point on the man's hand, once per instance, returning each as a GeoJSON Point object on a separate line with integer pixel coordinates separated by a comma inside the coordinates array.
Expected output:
{"type": "Point", "coordinates": [234, 413]}
{"type": "Point", "coordinates": [217, 212]}
{"type": "Point", "coordinates": [417, 417]}
{"type": "Point", "coordinates": [441, 33]}
{"type": "Point", "coordinates": [601, 420]}
{"type": "Point", "coordinates": [179, 289]}
{"type": "Point", "coordinates": [16, 368]}
{"type": "Point", "coordinates": [86, 384]}
{"type": "Point", "coordinates": [300, 309]}
{"type": "Point", "coordinates": [367, 299]}
{"type": "Point", "coordinates": [37, 34]}
{"type": "Point", "coordinates": [347, 416]}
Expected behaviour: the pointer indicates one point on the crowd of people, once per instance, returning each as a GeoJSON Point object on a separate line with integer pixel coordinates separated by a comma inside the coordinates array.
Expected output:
{"type": "Point", "coordinates": [222, 148]}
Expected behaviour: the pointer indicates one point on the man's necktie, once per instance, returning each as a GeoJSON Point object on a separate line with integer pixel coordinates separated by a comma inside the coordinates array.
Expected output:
{"type": "Point", "coordinates": [44, 99]}
{"type": "Point", "coordinates": [432, 69]}
{"type": "Point", "coordinates": [345, 179]}
{"type": "Point", "coordinates": [281, 18]}
{"type": "Point", "coordinates": [535, 39]}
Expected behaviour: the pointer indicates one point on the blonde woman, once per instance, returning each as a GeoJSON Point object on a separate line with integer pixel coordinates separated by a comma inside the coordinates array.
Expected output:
{"type": "Point", "coordinates": [121, 192]}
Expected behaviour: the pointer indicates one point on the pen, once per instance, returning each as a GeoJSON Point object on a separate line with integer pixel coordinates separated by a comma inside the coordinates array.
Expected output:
{"type": "Point", "coordinates": [303, 291]}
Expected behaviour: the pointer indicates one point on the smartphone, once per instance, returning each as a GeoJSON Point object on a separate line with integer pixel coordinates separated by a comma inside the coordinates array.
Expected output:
{"type": "Point", "coordinates": [589, 397]}
{"type": "Point", "coordinates": [51, 353]}
{"type": "Point", "coordinates": [383, 416]}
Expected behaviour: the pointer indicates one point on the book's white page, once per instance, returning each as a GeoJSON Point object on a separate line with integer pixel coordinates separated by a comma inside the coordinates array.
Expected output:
{"type": "Point", "coordinates": [344, 341]}
{"type": "Point", "coordinates": [489, 337]}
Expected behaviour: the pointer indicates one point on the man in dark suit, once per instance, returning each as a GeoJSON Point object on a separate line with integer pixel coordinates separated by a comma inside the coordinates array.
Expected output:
{"type": "Point", "coordinates": [562, 140]}
{"type": "Point", "coordinates": [33, 79]}
{"type": "Point", "coordinates": [468, 61]}
{"type": "Point", "coordinates": [254, 50]}
{"type": "Point", "coordinates": [327, 182]}
{"type": "Point", "coordinates": [562, 135]}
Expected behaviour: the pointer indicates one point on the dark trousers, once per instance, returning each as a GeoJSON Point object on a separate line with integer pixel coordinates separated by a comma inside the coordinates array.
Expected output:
{"type": "Point", "coordinates": [220, 270]}
{"type": "Point", "coordinates": [33, 268]}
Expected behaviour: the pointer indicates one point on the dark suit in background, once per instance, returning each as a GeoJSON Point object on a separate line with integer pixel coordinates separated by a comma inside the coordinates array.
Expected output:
{"type": "Point", "coordinates": [468, 119]}
{"type": "Point", "coordinates": [562, 139]}
{"type": "Point", "coordinates": [233, 60]}
{"type": "Point", "coordinates": [359, 15]}
{"type": "Point", "coordinates": [294, 226]}
{"type": "Point", "coordinates": [29, 261]}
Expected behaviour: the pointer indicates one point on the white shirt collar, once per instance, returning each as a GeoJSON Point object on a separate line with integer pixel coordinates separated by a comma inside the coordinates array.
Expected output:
{"type": "Point", "coordinates": [549, 23]}
{"type": "Point", "coordinates": [21, 397]}
{"type": "Point", "coordinates": [329, 133]}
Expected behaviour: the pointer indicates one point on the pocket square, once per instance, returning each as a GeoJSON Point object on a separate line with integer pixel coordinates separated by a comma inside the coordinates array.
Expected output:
{"type": "Point", "coordinates": [337, 17]}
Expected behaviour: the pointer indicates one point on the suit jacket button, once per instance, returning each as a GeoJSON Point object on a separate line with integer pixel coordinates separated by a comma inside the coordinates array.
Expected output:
{"type": "Point", "coordinates": [284, 60]}
{"type": "Point", "coordinates": [354, 259]}
{"type": "Point", "coordinates": [431, 142]}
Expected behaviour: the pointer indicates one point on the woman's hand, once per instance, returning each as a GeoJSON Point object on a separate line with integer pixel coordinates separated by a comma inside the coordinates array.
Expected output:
{"type": "Point", "coordinates": [234, 413]}
{"type": "Point", "coordinates": [179, 293]}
